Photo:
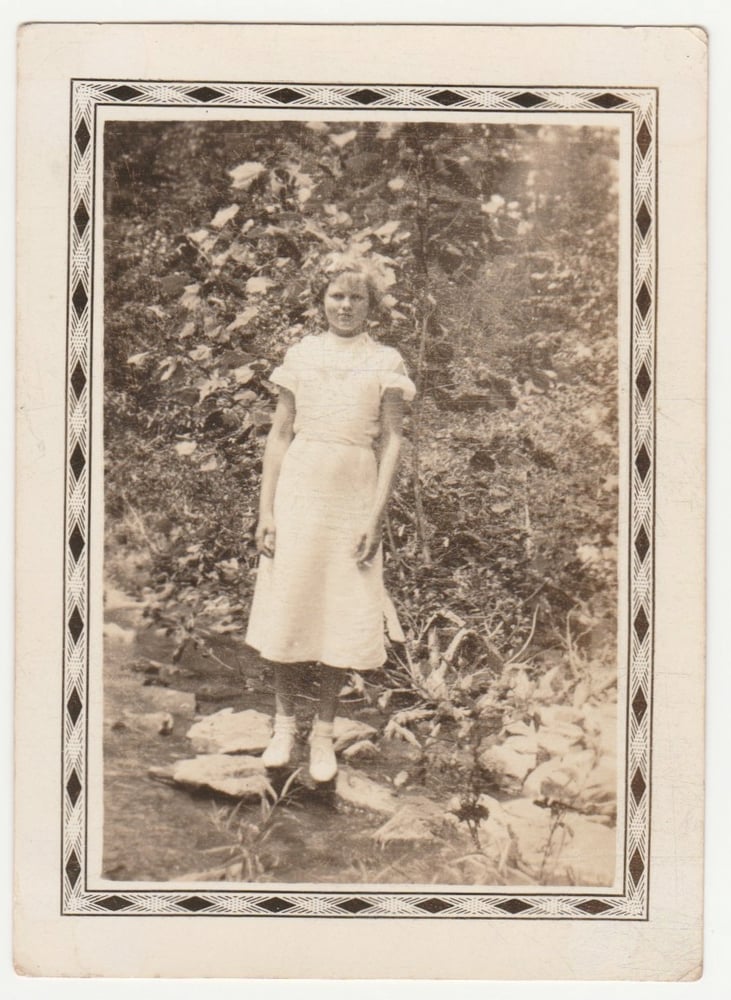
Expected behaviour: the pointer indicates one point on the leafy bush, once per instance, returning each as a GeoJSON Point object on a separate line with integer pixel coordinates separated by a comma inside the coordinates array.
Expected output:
{"type": "Point", "coordinates": [501, 243]}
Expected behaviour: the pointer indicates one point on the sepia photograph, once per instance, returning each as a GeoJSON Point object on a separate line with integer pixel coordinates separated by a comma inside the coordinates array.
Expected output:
{"type": "Point", "coordinates": [361, 502]}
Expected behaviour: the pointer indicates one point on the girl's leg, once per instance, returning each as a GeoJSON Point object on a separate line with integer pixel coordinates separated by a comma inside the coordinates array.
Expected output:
{"type": "Point", "coordinates": [284, 688]}
{"type": "Point", "coordinates": [323, 764]}
{"type": "Point", "coordinates": [279, 748]}
{"type": "Point", "coordinates": [331, 681]}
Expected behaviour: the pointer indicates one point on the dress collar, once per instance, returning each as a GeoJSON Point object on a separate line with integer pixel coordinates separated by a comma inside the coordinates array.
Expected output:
{"type": "Point", "coordinates": [343, 343]}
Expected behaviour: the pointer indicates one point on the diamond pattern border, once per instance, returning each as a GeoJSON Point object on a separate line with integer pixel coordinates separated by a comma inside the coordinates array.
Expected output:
{"type": "Point", "coordinates": [641, 104]}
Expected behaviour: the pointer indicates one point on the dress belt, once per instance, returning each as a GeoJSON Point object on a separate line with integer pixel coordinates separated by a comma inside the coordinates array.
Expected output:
{"type": "Point", "coordinates": [328, 439]}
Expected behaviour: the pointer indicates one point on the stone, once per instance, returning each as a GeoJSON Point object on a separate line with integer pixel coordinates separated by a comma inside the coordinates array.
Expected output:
{"type": "Point", "coordinates": [347, 731]}
{"type": "Point", "coordinates": [231, 732]}
{"type": "Point", "coordinates": [600, 788]}
{"type": "Point", "coordinates": [524, 810]}
{"type": "Point", "coordinates": [164, 773]}
{"type": "Point", "coordinates": [238, 776]}
{"type": "Point", "coordinates": [530, 826]}
{"type": "Point", "coordinates": [123, 610]}
{"type": "Point", "coordinates": [588, 857]}
{"type": "Point", "coordinates": [491, 827]}
{"type": "Point", "coordinates": [495, 834]}
{"type": "Point", "coordinates": [519, 728]}
{"type": "Point", "coordinates": [158, 723]}
{"type": "Point", "coordinates": [115, 633]}
{"type": "Point", "coordinates": [401, 752]}
{"type": "Point", "coordinates": [560, 778]}
{"type": "Point", "coordinates": [579, 851]}
{"type": "Point", "coordinates": [117, 600]}
{"type": "Point", "coordinates": [143, 665]}
{"type": "Point", "coordinates": [601, 724]}
{"type": "Point", "coordinates": [162, 699]}
{"type": "Point", "coordinates": [521, 686]}
{"type": "Point", "coordinates": [513, 758]}
{"type": "Point", "coordinates": [557, 740]}
{"type": "Point", "coordinates": [448, 758]}
{"type": "Point", "coordinates": [550, 780]}
{"type": "Point", "coordinates": [550, 684]}
{"type": "Point", "coordinates": [357, 790]}
{"type": "Point", "coordinates": [525, 743]}
{"type": "Point", "coordinates": [401, 779]}
{"type": "Point", "coordinates": [493, 806]}
{"type": "Point", "coordinates": [417, 820]}
{"type": "Point", "coordinates": [362, 750]}
{"type": "Point", "coordinates": [551, 716]}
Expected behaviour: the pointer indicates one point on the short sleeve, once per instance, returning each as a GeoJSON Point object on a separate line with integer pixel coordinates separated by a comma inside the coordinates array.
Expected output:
{"type": "Point", "coordinates": [287, 374]}
{"type": "Point", "coordinates": [393, 376]}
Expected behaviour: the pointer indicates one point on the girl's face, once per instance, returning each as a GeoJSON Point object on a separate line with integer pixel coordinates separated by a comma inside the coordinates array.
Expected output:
{"type": "Point", "coordinates": [346, 304]}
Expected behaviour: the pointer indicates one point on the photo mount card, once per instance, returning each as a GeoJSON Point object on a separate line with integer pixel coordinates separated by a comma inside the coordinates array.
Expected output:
{"type": "Point", "coordinates": [80, 83]}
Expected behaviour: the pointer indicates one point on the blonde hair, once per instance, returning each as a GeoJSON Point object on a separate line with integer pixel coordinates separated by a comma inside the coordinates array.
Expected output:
{"type": "Point", "coordinates": [371, 270]}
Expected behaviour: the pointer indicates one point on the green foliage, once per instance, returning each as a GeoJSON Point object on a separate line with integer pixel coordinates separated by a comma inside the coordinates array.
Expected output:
{"type": "Point", "coordinates": [502, 245]}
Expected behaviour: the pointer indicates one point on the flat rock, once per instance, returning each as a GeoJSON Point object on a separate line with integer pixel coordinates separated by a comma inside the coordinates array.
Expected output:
{"type": "Point", "coordinates": [555, 715]}
{"type": "Point", "coordinates": [519, 728]}
{"type": "Point", "coordinates": [580, 851]}
{"type": "Point", "coordinates": [401, 752]}
{"type": "Point", "coordinates": [164, 773]}
{"type": "Point", "coordinates": [231, 732]}
{"type": "Point", "coordinates": [561, 778]}
{"type": "Point", "coordinates": [600, 788]}
{"type": "Point", "coordinates": [348, 731]}
{"type": "Point", "coordinates": [417, 820]}
{"type": "Point", "coordinates": [239, 776]}
{"type": "Point", "coordinates": [601, 724]}
{"type": "Point", "coordinates": [523, 811]}
{"type": "Point", "coordinates": [357, 790]}
{"type": "Point", "coordinates": [531, 827]}
{"type": "Point", "coordinates": [117, 600]}
{"type": "Point", "coordinates": [362, 750]}
{"type": "Point", "coordinates": [124, 611]}
{"type": "Point", "coordinates": [494, 832]}
{"type": "Point", "coordinates": [162, 699]}
{"type": "Point", "coordinates": [588, 857]}
{"type": "Point", "coordinates": [158, 723]}
{"type": "Point", "coordinates": [558, 739]}
{"type": "Point", "coordinates": [115, 633]}
{"type": "Point", "coordinates": [514, 758]}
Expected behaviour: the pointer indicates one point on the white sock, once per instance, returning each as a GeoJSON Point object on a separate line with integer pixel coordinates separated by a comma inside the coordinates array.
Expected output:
{"type": "Point", "coordinates": [284, 723]}
{"type": "Point", "coordinates": [323, 730]}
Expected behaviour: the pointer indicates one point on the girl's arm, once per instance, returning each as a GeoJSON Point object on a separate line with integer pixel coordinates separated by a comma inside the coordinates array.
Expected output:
{"type": "Point", "coordinates": [392, 418]}
{"type": "Point", "coordinates": [278, 440]}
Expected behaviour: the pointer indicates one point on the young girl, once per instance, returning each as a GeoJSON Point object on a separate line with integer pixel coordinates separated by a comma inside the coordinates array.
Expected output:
{"type": "Point", "coordinates": [319, 591]}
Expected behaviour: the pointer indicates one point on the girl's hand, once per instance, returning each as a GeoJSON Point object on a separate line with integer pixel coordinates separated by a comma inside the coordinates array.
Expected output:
{"type": "Point", "coordinates": [266, 533]}
{"type": "Point", "coordinates": [367, 545]}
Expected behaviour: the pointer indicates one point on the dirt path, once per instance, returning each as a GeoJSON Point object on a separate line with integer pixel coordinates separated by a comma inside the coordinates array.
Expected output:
{"type": "Point", "coordinates": [158, 831]}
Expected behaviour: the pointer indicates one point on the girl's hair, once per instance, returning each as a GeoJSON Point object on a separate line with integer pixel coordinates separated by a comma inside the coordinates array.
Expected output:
{"type": "Point", "coordinates": [335, 264]}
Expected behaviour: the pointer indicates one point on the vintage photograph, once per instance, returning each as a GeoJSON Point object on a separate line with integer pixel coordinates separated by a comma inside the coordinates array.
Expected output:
{"type": "Point", "coordinates": [361, 501]}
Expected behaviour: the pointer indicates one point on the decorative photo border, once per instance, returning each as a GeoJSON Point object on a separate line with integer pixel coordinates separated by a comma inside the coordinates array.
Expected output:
{"type": "Point", "coordinates": [633, 901]}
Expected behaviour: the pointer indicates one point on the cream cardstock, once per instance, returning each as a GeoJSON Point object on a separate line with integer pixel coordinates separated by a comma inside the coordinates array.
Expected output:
{"type": "Point", "coordinates": [649, 85]}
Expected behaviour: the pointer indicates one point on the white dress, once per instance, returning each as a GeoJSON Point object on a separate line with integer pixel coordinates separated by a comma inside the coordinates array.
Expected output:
{"type": "Point", "coordinates": [312, 602]}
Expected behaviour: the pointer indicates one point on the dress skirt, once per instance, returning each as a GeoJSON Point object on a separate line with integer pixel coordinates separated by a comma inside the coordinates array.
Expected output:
{"type": "Point", "coordinates": [312, 602]}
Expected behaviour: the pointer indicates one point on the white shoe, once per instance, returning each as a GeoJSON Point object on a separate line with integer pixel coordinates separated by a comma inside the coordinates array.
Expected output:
{"type": "Point", "coordinates": [323, 764]}
{"type": "Point", "coordinates": [280, 746]}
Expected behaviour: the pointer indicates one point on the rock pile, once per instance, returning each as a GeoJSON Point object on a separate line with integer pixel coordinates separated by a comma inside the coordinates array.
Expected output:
{"type": "Point", "coordinates": [551, 822]}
